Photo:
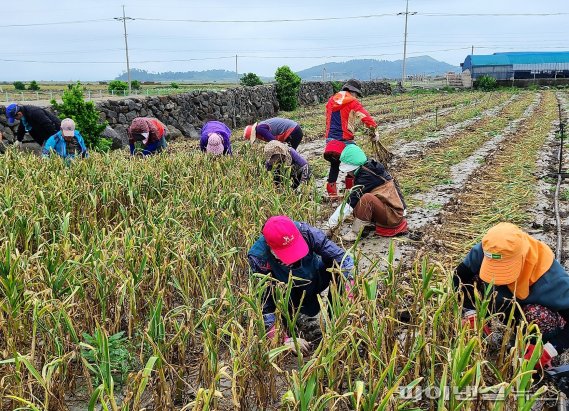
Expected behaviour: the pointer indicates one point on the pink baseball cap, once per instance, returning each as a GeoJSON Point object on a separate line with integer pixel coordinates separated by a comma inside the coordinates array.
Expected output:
{"type": "Point", "coordinates": [68, 127]}
{"type": "Point", "coordinates": [284, 239]}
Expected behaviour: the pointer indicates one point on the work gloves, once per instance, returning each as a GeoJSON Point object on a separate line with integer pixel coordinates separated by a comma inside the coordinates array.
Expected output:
{"type": "Point", "coordinates": [18, 144]}
{"type": "Point", "coordinates": [343, 211]}
{"type": "Point", "coordinates": [303, 345]}
{"type": "Point", "coordinates": [469, 320]}
{"type": "Point", "coordinates": [549, 352]}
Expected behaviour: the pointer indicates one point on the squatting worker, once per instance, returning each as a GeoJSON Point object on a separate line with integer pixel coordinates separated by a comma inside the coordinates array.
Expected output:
{"type": "Point", "coordinates": [343, 113]}
{"type": "Point", "coordinates": [66, 143]}
{"type": "Point", "coordinates": [281, 129]}
{"type": "Point", "coordinates": [375, 200]}
{"type": "Point", "coordinates": [150, 133]}
{"type": "Point", "coordinates": [520, 267]}
{"type": "Point", "coordinates": [215, 138]}
{"type": "Point", "coordinates": [279, 157]}
{"type": "Point", "coordinates": [40, 123]}
{"type": "Point", "coordinates": [288, 247]}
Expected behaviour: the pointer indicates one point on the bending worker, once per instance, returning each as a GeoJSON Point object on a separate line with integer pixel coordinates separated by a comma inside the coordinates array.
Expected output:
{"type": "Point", "coordinates": [66, 143]}
{"type": "Point", "coordinates": [281, 129]}
{"type": "Point", "coordinates": [150, 132]}
{"type": "Point", "coordinates": [215, 138]}
{"type": "Point", "coordinates": [293, 248]}
{"type": "Point", "coordinates": [375, 200]}
{"type": "Point", "coordinates": [279, 156]}
{"type": "Point", "coordinates": [40, 123]}
{"type": "Point", "coordinates": [520, 267]}
{"type": "Point", "coordinates": [343, 113]}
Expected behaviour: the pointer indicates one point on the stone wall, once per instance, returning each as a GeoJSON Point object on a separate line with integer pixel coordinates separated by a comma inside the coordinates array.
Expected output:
{"type": "Point", "coordinates": [187, 112]}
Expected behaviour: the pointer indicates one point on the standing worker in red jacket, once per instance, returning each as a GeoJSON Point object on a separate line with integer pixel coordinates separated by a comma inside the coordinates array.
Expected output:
{"type": "Point", "coordinates": [343, 113]}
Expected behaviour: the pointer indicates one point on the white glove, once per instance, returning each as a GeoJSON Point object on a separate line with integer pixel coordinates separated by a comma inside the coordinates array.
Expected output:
{"type": "Point", "coordinates": [17, 144]}
{"type": "Point", "coordinates": [376, 135]}
{"type": "Point", "coordinates": [334, 219]}
{"type": "Point", "coordinates": [303, 345]}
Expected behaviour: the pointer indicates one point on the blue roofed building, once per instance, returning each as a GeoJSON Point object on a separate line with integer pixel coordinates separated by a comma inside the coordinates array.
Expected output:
{"type": "Point", "coordinates": [519, 65]}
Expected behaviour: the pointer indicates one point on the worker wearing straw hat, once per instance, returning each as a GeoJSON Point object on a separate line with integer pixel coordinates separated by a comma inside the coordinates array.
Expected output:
{"type": "Point", "coordinates": [279, 156]}
{"type": "Point", "coordinates": [277, 128]}
{"type": "Point", "coordinates": [343, 113]}
{"type": "Point", "coordinates": [215, 138]}
{"type": "Point", "coordinates": [294, 248]}
{"type": "Point", "coordinates": [522, 268]}
{"type": "Point", "coordinates": [374, 201]}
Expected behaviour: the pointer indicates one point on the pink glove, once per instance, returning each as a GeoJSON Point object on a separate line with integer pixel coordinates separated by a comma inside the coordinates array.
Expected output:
{"type": "Point", "coordinates": [348, 287]}
{"type": "Point", "coordinates": [547, 355]}
{"type": "Point", "coordinates": [469, 318]}
{"type": "Point", "coordinates": [271, 332]}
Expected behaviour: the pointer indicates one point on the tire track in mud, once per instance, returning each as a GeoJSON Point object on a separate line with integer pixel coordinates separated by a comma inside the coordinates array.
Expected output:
{"type": "Point", "coordinates": [500, 190]}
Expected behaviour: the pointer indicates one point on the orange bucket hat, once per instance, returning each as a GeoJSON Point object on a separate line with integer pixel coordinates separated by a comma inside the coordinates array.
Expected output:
{"type": "Point", "coordinates": [505, 247]}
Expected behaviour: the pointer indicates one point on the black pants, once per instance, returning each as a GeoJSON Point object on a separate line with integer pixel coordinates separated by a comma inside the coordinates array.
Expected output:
{"type": "Point", "coordinates": [334, 171]}
{"type": "Point", "coordinates": [295, 137]}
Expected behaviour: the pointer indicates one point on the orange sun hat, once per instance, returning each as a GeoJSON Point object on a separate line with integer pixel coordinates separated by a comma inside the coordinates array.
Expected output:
{"type": "Point", "coordinates": [505, 246]}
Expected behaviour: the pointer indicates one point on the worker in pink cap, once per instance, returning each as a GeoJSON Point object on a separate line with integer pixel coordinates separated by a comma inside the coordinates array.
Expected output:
{"type": "Point", "coordinates": [295, 248]}
{"type": "Point", "coordinates": [523, 269]}
{"type": "Point", "coordinates": [215, 138]}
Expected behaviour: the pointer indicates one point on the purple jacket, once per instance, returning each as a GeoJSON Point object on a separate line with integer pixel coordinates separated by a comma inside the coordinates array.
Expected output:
{"type": "Point", "coordinates": [219, 128]}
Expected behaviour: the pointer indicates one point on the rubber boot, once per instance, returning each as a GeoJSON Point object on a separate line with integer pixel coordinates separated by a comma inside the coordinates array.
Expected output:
{"type": "Point", "coordinates": [392, 231]}
{"type": "Point", "coordinates": [357, 226]}
{"type": "Point", "coordinates": [349, 182]}
{"type": "Point", "coordinates": [332, 191]}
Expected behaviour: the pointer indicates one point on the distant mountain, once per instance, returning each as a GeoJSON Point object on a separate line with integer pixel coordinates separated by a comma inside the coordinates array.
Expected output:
{"type": "Point", "coordinates": [361, 69]}
{"type": "Point", "coordinates": [207, 76]}
{"type": "Point", "coordinates": [364, 69]}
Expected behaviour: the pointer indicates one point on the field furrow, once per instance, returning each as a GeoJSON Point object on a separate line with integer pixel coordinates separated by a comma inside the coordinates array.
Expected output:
{"type": "Point", "coordinates": [500, 191]}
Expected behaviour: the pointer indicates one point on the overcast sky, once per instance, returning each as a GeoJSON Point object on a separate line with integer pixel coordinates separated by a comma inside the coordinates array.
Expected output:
{"type": "Point", "coordinates": [95, 50]}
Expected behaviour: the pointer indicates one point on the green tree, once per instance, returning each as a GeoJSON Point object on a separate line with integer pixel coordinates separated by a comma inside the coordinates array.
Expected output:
{"type": "Point", "coordinates": [485, 83]}
{"type": "Point", "coordinates": [174, 85]}
{"type": "Point", "coordinates": [288, 85]}
{"type": "Point", "coordinates": [85, 115]}
{"type": "Point", "coordinates": [135, 85]}
{"type": "Point", "coordinates": [34, 86]}
{"type": "Point", "coordinates": [337, 86]}
{"type": "Point", "coordinates": [18, 85]}
{"type": "Point", "coordinates": [250, 80]}
{"type": "Point", "coordinates": [118, 86]}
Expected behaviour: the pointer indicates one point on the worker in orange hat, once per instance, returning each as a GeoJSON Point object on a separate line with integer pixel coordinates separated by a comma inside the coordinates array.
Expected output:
{"type": "Point", "coordinates": [521, 268]}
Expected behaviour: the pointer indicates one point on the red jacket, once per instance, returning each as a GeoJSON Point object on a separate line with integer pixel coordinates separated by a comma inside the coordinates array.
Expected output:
{"type": "Point", "coordinates": [343, 112]}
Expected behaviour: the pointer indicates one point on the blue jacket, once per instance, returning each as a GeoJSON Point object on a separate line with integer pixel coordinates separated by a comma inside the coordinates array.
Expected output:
{"type": "Point", "coordinates": [551, 290]}
{"type": "Point", "coordinates": [322, 254]}
{"type": "Point", "coordinates": [57, 144]}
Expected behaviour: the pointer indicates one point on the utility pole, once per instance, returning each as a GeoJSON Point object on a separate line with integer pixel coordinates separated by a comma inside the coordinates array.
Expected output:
{"type": "Point", "coordinates": [405, 40]}
{"type": "Point", "coordinates": [472, 52]}
{"type": "Point", "coordinates": [236, 72]}
{"type": "Point", "coordinates": [124, 19]}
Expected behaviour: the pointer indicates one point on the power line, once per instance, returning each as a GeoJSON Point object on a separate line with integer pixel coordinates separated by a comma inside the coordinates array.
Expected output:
{"type": "Point", "coordinates": [367, 16]}
{"type": "Point", "coordinates": [57, 23]}
{"type": "Point", "coordinates": [493, 14]}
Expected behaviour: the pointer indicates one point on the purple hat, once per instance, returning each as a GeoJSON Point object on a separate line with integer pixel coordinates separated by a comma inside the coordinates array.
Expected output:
{"type": "Point", "coordinates": [214, 144]}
